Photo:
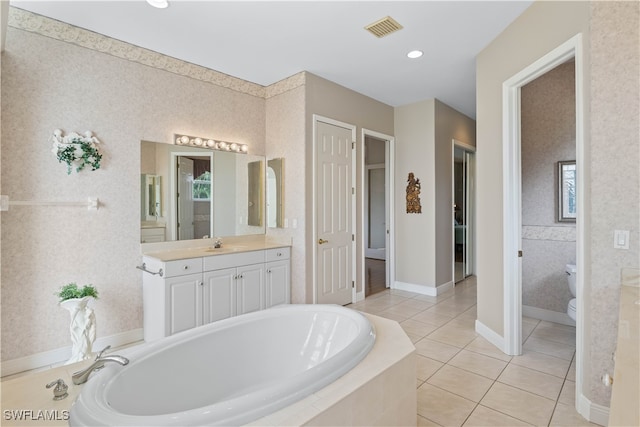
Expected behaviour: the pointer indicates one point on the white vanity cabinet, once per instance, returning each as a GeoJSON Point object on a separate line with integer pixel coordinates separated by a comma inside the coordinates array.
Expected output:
{"type": "Point", "coordinates": [196, 291]}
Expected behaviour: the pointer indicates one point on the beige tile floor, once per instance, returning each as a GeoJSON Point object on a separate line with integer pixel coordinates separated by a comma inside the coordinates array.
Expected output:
{"type": "Point", "coordinates": [463, 380]}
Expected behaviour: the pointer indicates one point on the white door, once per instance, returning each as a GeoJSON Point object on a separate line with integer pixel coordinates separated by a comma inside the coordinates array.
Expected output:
{"type": "Point", "coordinates": [334, 214]}
{"type": "Point", "coordinates": [185, 198]}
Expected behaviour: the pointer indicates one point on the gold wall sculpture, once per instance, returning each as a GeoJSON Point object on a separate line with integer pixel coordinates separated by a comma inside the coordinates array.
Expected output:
{"type": "Point", "coordinates": [413, 194]}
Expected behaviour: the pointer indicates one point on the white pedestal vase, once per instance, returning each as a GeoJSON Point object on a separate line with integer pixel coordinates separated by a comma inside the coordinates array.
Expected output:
{"type": "Point", "coordinates": [82, 327]}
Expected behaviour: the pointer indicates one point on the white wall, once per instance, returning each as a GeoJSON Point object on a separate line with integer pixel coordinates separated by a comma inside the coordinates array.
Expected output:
{"type": "Point", "coordinates": [415, 233]}
{"type": "Point", "coordinates": [424, 142]}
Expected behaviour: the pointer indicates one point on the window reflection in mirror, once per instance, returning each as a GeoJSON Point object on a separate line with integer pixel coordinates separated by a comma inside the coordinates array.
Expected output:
{"type": "Point", "coordinates": [203, 193]}
{"type": "Point", "coordinates": [275, 193]}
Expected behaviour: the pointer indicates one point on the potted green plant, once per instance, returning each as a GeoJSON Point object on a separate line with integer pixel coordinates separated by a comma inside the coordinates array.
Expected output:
{"type": "Point", "coordinates": [71, 291]}
{"type": "Point", "coordinates": [83, 321]}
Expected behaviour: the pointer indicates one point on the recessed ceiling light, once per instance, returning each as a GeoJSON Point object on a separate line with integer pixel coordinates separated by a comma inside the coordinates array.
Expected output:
{"type": "Point", "coordinates": [415, 54]}
{"type": "Point", "coordinates": [160, 4]}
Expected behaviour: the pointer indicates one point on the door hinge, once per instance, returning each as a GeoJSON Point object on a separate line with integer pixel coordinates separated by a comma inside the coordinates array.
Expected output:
{"type": "Point", "coordinates": [519, 254]}
{"type": "Point", "coordinates": [353, 145]}
{"type": "Point", "coordinates": [353, 284]}
{"type": "Point", "coordinates": [353, 191]}
{"type": "Point", "coordinates": [353, 237]}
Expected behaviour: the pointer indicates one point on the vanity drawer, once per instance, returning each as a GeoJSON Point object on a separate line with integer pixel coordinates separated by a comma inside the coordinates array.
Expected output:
{"type": "Point", "coordinates": [182, 267]}
{"type": "Point", "coordinates": [277, 254]}
{"type": "Point", "coordinates": [218, 262]}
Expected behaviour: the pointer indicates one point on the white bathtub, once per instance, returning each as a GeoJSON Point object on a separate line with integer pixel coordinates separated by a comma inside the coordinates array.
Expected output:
{"type": "Point", "coordinates": [229, 372]}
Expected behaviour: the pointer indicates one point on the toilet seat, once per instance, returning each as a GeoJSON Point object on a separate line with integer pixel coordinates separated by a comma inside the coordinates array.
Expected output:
{"type": "Point", "coordinates": [571, 309]}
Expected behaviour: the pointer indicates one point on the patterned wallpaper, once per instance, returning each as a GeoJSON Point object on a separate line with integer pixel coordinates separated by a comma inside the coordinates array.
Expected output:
{"type": "Point", "coordinates": [58, 76]}
{"type": "Point", "coordinates": [548, 136]}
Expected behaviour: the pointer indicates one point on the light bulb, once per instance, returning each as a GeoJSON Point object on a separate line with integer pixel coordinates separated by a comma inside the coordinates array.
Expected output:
{"type": "Point", "coordinates": [197, 141]}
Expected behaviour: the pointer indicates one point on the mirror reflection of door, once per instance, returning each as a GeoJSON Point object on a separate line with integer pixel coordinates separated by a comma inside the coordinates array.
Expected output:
{"type": "Point", "coordinates": [185, 198]}
{"type": "Point", "coordinates": [195, 192]}
{"type": "Point", "coordinates": [376, 213]}
{"type": "Point", "coordinates": [463, 212]}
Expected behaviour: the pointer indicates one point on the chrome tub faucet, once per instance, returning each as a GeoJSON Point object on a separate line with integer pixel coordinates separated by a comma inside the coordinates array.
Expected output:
{"type": "Point", "coordinates": [82, 376]}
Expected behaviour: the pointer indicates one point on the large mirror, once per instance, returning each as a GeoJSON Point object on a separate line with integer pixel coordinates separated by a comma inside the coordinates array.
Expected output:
{"type": "Point", "coordinates": [194, 193]}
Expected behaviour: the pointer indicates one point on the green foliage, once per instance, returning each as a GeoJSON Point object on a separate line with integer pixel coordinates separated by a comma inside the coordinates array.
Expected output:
{"type": "Point", "coordinates": [72, 290]}
{"type": "Point", "coordinates": [79, 153]}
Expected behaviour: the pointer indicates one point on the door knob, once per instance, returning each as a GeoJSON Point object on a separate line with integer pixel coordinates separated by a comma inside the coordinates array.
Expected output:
{"type": "Point", "coordinates": [322, 241]}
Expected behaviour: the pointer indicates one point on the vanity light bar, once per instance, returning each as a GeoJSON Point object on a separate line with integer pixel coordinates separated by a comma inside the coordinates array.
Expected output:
{"type": "Point", "coordinates": [196, 141]}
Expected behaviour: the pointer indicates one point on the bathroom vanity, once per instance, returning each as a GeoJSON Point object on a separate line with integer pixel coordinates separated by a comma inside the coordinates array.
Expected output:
{"type": "Point", "coordinates": [186, 288]}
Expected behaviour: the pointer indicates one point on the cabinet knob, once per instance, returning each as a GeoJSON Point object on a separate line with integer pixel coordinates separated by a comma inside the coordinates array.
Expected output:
{"type": "Point", "coordinates": [279, 253]}
{"type": "Point", "coordinates": [185, 267]}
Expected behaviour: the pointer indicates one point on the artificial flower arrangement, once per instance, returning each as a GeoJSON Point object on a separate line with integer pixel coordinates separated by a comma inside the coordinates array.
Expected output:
{"type": "Point", "coordinates": [72, 291]}
{"type": "Point", "coordinates": [76, 150]}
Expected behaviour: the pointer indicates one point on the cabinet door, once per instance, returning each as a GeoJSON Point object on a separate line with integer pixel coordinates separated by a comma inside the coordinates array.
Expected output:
{"type": "Point", "coordinates": [277, 283]}
{"type": "Point", "coordinates": [183, 303]}
{"type": "Point", "coordinates": [250, 288]}
{"type": "Point", "coordinates": [219, 295]}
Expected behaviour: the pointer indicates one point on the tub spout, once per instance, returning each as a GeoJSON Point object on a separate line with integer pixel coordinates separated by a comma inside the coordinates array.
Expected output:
{"type": "Point", "coordinates": [81, 377]}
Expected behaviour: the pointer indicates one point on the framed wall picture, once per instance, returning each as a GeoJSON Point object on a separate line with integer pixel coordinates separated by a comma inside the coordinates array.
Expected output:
{"type": "Point", "coordinates": [567, 191]}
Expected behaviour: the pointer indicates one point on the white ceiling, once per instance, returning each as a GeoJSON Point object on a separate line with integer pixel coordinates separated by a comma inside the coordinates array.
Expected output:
{"type": "Point", "coordinates": [267, 41]}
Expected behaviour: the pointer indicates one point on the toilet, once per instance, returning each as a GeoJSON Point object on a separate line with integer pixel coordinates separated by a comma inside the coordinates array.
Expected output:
{"type": "Point", "coordinates": [571, 277]}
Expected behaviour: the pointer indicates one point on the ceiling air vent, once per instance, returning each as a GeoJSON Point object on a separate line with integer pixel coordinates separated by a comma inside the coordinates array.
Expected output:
{"type": "Point", "coordinates": [383, 27]}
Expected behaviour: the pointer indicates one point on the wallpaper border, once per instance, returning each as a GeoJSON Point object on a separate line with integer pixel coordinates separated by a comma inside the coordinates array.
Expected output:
{"type": "Point", "coordinates": [34, 23]}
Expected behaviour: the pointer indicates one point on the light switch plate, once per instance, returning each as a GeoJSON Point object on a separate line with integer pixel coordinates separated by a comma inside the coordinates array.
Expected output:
{"type": "Point", "coordinates": [621, 239]}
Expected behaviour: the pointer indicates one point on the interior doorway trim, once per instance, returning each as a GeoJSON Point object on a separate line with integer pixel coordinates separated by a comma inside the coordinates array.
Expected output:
{"type": "Point", "coordinates": [471, 149]}
{"type": "Point", "coordinates": [390, 236]}
{"type": "Point", "coordinates": [314, 220]}
{"type": "Point", "coordinates": [512, 222]}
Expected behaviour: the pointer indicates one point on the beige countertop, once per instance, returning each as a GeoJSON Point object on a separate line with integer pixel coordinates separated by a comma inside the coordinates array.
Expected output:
{"type": "Point", "coordinates": [172, 251]}
{"type": "Point", "coordinates": [177, 254]}
{"type": "Point", "coordinates": [625, 394]}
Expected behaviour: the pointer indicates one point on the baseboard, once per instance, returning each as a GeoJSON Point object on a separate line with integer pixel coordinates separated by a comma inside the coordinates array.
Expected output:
{"type": "Point", "coordinates": [359, 296]}
{"type": "Point", "coordinates": [422, 289]}
{"type": "Point", "coordinates": [592, 412]}
{"type": "Point", "coordinates": [490, 335]}
{"type": "Point", "coordinates": [60, 355]}
{"type": "Point", "coordinates": [547, 315]}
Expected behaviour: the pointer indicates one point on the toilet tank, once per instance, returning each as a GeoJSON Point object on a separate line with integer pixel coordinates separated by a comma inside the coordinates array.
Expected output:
{"type": "Point", "coordinates": [571, 277]}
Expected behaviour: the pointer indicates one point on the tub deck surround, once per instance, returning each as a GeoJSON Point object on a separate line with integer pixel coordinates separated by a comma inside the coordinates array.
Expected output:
{"type": "Point", "coordinates": [380, 390]}
{"type": "Point", "coordinates": [625, 394]}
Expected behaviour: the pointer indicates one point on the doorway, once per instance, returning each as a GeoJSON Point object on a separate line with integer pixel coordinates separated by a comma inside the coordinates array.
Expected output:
{"type": "Point", "coordinates": [463, 210]}
{"type": "Point", "coordinates": [512, 236]}
{"type": "Point", "coordinates": [190, 193]}
{"type": "Point", "coordinates": [375, 214]}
